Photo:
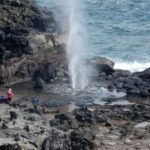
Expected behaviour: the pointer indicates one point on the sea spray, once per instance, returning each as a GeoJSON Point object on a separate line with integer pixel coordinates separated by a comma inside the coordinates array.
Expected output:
{"type": "Point", "coordinates": [132, 66]}
{"type": "Point", "coordinates": [76, 46]}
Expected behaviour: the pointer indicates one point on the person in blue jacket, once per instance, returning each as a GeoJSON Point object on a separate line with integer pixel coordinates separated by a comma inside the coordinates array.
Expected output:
{"type": "Point", "coordinates": [35, 102]}
{"type": "Point", "coordinates": [1, 97]}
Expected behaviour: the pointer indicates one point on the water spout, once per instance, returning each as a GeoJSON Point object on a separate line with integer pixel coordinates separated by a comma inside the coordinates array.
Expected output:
{"type": "Point", "coordinates": [76, 46]}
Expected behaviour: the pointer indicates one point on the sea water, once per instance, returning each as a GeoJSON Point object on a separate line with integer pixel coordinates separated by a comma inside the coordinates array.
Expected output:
{"type": "Point", "coordinates": [117, 29]}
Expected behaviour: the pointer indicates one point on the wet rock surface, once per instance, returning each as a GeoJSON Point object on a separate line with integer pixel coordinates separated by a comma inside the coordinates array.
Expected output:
{"type": "Point", "coordinates": [135, 85]}
{"type": "Point", "coordinates": [85, 128]}
{"type": "Point", "coordinates": [103, 74]}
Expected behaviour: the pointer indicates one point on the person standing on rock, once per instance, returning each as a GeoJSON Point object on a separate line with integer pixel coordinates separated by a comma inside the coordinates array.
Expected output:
{"type": "Point", "coordinates": [9, 94]}
{"type": "Point", "coordinates": [35, 102]}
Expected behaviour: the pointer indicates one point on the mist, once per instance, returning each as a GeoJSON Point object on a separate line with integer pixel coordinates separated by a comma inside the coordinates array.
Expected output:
{"type": "Point", "coordinates": [77, 44]}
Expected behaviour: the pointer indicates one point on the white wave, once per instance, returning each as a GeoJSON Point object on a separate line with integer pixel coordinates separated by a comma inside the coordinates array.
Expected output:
{"type": "Point", "coordinates": [132, 66]}
{"type": "Point", "coordinates": [104, 93]}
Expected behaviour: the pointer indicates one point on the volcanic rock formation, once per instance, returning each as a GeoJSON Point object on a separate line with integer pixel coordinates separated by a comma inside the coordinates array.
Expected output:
{"type": "Point", "coordinates": [31, 40]}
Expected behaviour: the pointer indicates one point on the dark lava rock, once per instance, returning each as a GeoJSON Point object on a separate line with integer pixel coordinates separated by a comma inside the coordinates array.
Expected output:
{"type": "Point", "coordinates": [57, 141]}
{"type": "Point", "coordinates": [15, 104]}
{"type": "Point", "coordinates": [82, 139]}
{"type": "Point", "coordinates": [14, 31]}
{"type": "Point", "coordinates": [83, 115]}
{"type": "Point", "coordinates": [13, 115]}
{"type": "Point", "coordinates": [104, 114]}
{"type": "Point", "coordinates": [30, 118]}
{"type": "Point", "coordinates": [102, 64]}
{"type": "Point", "coordinates": [122, 73]}
{"type": "Point", "coordinates": [78, 139]}
{"type": "Point", "coordinates": [4, 100]}
{"type": "Point", "coordinates": [136, 85]}
{"type": "Point", "coordinates": [4, 126]}
{"type": "Point", "coordinates": [118, 119]}
{"type": "Point", "coordinates": [145, 75]}
{"type": "Point", "coordinates": [46, 73]}
{"type": "Point", "coordinates": [64, 122]}
{"type": "Point", "coordinates": [28, 41]}
{"type": "Point", "coordinates": [27, 128]}
{"type": "Point", "coordinates": [10, 147]}
{"type": "Point", "coordinates": [17, 137]}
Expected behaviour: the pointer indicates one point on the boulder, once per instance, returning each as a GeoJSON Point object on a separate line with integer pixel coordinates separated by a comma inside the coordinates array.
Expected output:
{"type": "Point", "coordinates": [85, 116]}
{"type": "Point", "coordinates": [13, 115]}
{"type": "Point", "coordinates": [57, 140]}
{"type": "Point", "coordinates": [82, 139]}
{"type": "Point", "coordinates": [102, 64]}
{"type": "Point", "coordinates": [64, 122]}
{"type": "Point", "coordinates": [102, 60]}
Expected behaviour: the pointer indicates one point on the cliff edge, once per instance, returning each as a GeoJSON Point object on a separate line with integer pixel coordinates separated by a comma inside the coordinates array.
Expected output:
{"type": "Point", "coordinates": [31, 42]}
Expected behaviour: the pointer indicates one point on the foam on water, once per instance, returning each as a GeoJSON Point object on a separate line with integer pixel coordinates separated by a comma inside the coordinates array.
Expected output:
{"type": "Point", "coordinates": [97, 95]}
{"type": "Point", "coordinates": [104, 93]}
{"type": "Point", "coordinates": [132, 66]}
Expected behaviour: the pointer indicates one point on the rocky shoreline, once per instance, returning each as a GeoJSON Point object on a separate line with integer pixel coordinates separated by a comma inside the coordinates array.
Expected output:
{"type": "Point", "coordinates": [91, 127]}
{"type": "Point", "coordinates": [33, 48]}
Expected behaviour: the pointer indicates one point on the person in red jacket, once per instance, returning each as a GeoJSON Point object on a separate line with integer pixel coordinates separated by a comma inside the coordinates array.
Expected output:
{"type": "Point", "coordinates": [9, 94]}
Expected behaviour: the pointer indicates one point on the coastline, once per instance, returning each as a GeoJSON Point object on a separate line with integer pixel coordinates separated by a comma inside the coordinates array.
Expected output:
{"type": "Point", "coordinates": [33, 50]}
{"type": "Point", "coordinates": [92, 127]}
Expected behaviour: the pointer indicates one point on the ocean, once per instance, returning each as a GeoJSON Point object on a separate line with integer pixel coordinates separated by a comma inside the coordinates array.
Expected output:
{"type": "Point", "coordinates": [117, 29]}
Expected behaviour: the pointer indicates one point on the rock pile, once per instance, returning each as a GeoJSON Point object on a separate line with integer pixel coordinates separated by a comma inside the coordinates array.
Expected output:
{"type": "Point", "coordinates": [133, 84]}
{"type": "Point", "coordinates": [87, 128]}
